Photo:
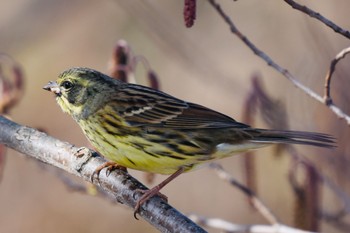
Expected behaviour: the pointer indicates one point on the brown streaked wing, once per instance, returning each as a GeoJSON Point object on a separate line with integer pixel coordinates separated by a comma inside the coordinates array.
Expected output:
{"type": "Point", "coordinates": [197, 116]}
{"type": "Point", "coordinates": [149, 107]}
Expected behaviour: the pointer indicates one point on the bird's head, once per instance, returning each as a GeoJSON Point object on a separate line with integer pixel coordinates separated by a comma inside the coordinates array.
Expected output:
{"type": "Point", "coordinates": [79, 91]}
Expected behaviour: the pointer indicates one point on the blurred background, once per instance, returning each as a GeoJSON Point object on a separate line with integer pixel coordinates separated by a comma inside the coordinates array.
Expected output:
{"type": "Point", "coordinates": [205, 64]}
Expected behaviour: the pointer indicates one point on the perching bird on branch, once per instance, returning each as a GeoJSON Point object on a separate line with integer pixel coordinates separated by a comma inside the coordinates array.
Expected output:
{"type": "Point", "coordinates": [145, 129]}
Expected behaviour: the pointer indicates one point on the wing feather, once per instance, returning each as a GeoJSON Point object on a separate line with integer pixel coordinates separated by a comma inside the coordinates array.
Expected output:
{"type": "Point", "coordinates": [147, 107]}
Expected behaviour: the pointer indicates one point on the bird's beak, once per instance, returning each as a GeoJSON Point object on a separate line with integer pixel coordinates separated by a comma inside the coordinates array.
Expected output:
{"type": "Point", "coordinates": [53, 87]}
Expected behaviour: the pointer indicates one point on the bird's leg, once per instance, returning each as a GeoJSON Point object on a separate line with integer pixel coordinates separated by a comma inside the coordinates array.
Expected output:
{"type": "Point", "coordinates": [147, 194]}
{"type": "Point", "coordinates": [111, 166]}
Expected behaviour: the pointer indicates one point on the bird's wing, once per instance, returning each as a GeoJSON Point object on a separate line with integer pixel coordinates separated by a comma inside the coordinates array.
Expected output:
{"type": "Point", "coordinates": [142, 106]}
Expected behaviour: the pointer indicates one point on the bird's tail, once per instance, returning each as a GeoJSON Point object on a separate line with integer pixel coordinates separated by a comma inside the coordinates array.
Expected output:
{"type": "Point", "coordinates": [292, 137]}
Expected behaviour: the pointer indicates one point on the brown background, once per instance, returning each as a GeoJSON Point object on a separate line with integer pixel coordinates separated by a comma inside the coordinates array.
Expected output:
{"type": "Point", "coordinates": [205, 64]}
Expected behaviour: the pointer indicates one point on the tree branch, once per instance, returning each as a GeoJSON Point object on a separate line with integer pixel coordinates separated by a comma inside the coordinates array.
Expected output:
{"type": "Point", "coordinates": [254, 200]}
{"type": "Point", "coordinates": [327, 92]}
{"type": "Point", "coordinates": [226, 226]}
{"type": "Point", "coordinates": [119, 186]}
{"type": "Point", "coordinates": [319, 17]}
{"type": "Point", "coordinates": [336, 110]}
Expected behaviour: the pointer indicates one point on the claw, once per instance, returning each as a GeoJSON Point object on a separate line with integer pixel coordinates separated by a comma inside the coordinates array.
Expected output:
{"type": "Point", "coordinates": [111, 166]}
{"type": "Point", "coordinates": [147, 194]}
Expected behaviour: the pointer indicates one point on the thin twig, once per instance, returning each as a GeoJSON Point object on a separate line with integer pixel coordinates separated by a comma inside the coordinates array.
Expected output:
{"type": "Point", "coordinates": [318, 16]}
{"type": "Point", "coordinates": [336, 110]}
{"type": "Point", "coordinates": [119, 185]}
{"type": "Point", "coordinates": [327, 92]}
{"type": "Point", "coordinates": [256, 202]}
{"type": "Point", "coordinates": [229, 227]}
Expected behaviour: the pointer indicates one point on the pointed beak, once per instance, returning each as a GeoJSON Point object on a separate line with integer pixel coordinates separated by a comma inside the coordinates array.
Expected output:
{"type": "Point", "coordinates": [53, 87]}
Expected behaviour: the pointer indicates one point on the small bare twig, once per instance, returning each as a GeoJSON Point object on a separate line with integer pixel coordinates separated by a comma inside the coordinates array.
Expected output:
{"type": "Point", "coordinates": [336, 110]}
{"type": "Point", "coordinates": [327, 92]}
{"type": "Point", "coordinates": [229, 227]}
{"type": "Point", "coordinates": [319, 17]}
{"type": "Point", "coordinates": [256, 202]}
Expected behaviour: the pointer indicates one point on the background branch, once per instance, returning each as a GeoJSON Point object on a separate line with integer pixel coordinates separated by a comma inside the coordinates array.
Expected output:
{"type": "Point", "coordinates": [254, 200]}
{"type": "Point", "coordinates": [340, 55]}
{"type": "Point", "coordinates": [319, 17]}
{"type": "Point", "coordinates": [336, 110]}
{"type": "Point", "coordinates": [211, 70]}
{"type": "Point", "coordinates": [229, 227]}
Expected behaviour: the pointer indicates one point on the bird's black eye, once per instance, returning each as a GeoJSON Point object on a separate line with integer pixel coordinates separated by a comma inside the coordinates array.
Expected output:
{"type": "Point", "coordinates": [67, 85]}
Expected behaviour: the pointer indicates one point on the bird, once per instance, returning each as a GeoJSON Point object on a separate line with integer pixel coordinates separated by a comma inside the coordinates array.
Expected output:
{"type": "Point", "coordinates": [141, 128]}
